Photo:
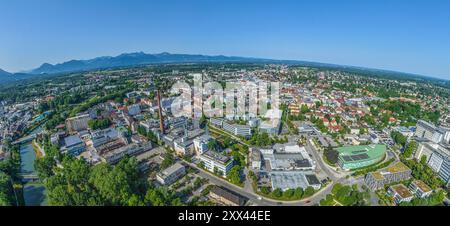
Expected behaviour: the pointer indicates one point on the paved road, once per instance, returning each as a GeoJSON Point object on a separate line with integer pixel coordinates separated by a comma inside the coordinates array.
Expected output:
{"type": "Point", "coordinates": [248, 192]}
{"type": "Point", "coordinates": [332, 174]}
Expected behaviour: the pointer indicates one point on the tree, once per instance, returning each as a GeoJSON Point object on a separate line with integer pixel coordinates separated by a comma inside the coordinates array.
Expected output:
{"type": "Point", "coordinates": [331, 155]}
{"type": "Point", "coordinates": [44, 167]}
{"type": "Point", "coordinates": [265, 190]}
{"type": "Point", "coordinates": [304, 109]}
{"type": "Point", "coordinates": [398, 138]}
{"type": "Point", "coordinates": [298, 193]}
{"type": "Point", "coordinates": [346, 195]}
{"type": "Point", "coordinates": [309, 191]}
{"type": "Point", "coordinates": [288, 194]}
{"type": "Point", "coordinates": [234, 175]}
{"type": "Point", "coordinates": [203, 120]}
{"type": "Point", "coordinates": [99, 124]}
{"type": "Point", "coordinates": [328, 201]}
{"type": "Point", "coordinates": [213, 145]}
{"type": "Point", "coordinates": [363, 131]}
{"type": "Point", "coordinates": [6, 190]}
{"type": "Point", "coordinates": [168, 161]}
{"type": "Point", "coordinates": [277, 193]}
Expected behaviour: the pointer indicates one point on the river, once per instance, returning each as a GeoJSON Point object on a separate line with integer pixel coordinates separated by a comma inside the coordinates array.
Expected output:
{"type": "Point", "coordinates": [34, 193]}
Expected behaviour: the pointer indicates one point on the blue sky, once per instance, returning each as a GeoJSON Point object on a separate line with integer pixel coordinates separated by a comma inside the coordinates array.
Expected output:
{"type": "Point", "coordinates": [403, 35]}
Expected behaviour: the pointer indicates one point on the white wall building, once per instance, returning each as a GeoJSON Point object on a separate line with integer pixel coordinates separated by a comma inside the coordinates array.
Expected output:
{"type": "Point", "coordinates": [216, 162]}
{"type": "Point", "coordinates": [171, 174]}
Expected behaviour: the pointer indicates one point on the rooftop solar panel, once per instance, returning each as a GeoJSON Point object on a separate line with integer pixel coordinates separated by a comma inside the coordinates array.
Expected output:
{"type": "Point", "coordinates": [360, 157]}
{"type": "Point", "coordinates": [347, 158]}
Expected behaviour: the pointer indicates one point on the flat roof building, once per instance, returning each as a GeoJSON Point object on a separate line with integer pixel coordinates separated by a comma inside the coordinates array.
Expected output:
{"type": "Point", "coordinates": [114, 156]}
{"type": "Point", "coordinates": [400, 193]}
{"type": "Point", "coordinates": [391, 174]}
{"type": "Point", "coordinates": [255, 157]}
{"type": "Point", "coordinates": [171, 174]}
{"type": "Point", "coordinates": [73, 145]}
{"type": "Point", "coordinates": [216, 162]}
{"type": "Point", "coordinates": [285, 180]}
{"type": "Point", "coordinates": [226, 197]}
{"type": "Point", "coordinates": [429, 131]}
{"type": "Point", "coordinates": [201, 144]}
{"type": "Point", "coordinates": [288, 157]}
{"type": "Point", "coordinates": [271, 127]}
{"type": "Point", "coordinates": [78, 123]}
{"type": "Point", "coordinates": [238, 130]}
{"type": "Point", "coordinates": [420, 189]}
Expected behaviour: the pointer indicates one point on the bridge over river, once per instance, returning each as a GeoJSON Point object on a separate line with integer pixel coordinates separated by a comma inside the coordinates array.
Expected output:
{"type": "Point", "coordinates": [25, 140]}
{"type": "Point", "coordinates": [30, 177]}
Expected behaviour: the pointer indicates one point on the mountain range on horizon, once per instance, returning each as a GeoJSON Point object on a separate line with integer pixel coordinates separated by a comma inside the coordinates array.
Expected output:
{"type": "Point", "coordinates": [141, 58]}
{"type": "Point", "coordinates": [4, 73]}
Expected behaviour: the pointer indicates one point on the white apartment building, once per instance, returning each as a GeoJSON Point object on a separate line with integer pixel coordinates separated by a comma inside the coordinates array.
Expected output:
{"type": "Point", "coordinates": [238, 130]}
{"type": "Point", "coordinates": [438, 158]}
{"type": "Point", "coordinates": [216, 162]}
{"type": "Point", "coordinates": [429, 131]}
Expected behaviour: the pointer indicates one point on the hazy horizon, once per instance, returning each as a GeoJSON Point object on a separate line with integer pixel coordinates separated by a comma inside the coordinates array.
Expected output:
{"type": "Point", "coordinates": [403, 36]}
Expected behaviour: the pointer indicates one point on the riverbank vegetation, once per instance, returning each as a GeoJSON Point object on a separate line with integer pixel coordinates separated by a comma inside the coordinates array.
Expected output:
{"type": "Point", "coordinates": [76, 183]}
{"type": "Point", "coordinates": [10, 182]}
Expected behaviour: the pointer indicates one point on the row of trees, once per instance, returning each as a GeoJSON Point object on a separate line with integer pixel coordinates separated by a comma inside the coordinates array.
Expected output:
{"type": "Point", "coordinates": [408, 148]}
{"type": "Point", "coordinates": [399, 138]}
{"type": "Point", "coordinates": [289, 194]}
{"type": "Point", "coordinates": [331, 155]}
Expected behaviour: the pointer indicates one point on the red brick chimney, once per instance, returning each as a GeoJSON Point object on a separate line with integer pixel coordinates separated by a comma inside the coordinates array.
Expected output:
{"type": "Point", "coordinates": [161, 117]}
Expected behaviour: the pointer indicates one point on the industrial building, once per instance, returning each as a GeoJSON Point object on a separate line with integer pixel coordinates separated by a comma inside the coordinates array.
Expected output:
{"type": "Point", "coordinates": [287, 157]}
{"type": "Point", "coordinates": [78, 123]}
{"type": "Point", "coordinates": [116, 155]}
{"type": "Point", "coordinates": [73, 145]}
{"type": "Point", "coordinates": [294, 179]}
{"type": "Point", "coordinates": [171, 174]}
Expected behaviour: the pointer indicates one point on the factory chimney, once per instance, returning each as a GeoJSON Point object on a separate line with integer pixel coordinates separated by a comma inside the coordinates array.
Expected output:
{"type": "Point", "coordinates": [161, 117]}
